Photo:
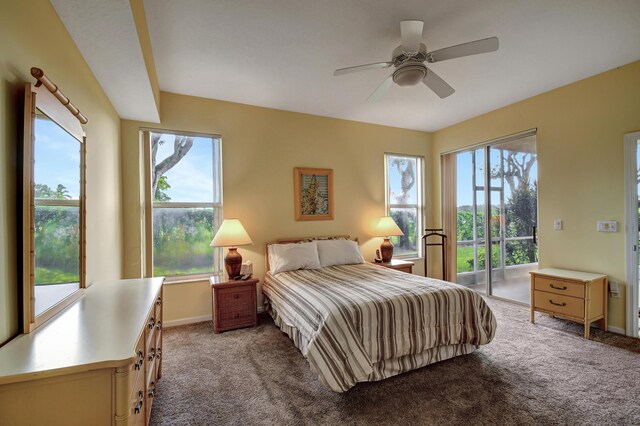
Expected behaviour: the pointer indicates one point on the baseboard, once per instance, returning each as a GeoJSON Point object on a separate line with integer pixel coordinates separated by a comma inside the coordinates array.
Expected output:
{"type": "Point", "coordinates": [193, 320]}
{"type": "Point", "coordinates": [185, 321]}
{"type": "Point", "coordinates": [618, 330]}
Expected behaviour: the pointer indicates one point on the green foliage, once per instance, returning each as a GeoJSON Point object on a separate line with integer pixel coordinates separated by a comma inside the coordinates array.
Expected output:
{"type": "Point", "coordinates": [44, 191]}
{"type": "Point", "coordinates": [181, 238]}
{"type": "Point", "coordinates": [163, 185]}
{"type": "Point", "coordinates": [406, 220]}
{"type": "Point", "coordinates": [57, 244]}
{"type": "Point", "coordinates": [46, 276]}
{"type": "Point", "coordinates": [521, 215]}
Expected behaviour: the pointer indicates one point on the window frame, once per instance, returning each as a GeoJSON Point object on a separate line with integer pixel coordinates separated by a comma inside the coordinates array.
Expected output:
{"type": "Point", "coordinates": [148, 260]}
{"type": "Point", "coordinates": [420, 202]}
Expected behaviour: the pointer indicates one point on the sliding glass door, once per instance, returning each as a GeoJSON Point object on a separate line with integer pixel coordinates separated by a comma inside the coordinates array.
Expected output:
{"type": "Point", "coordinates": [498, 182]}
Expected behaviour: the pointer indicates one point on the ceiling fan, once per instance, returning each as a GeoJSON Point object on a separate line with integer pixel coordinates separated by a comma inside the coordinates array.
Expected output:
{"type": "Point", "coordinates": [409, 58]}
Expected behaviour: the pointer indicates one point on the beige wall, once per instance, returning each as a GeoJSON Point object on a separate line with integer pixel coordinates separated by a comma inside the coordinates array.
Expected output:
{"type": "Point", "coordinates": [260, 148]}
{"type": "Point", "coordinates": [580, 162]}
{"type": "Point", "coordinates": [32, 35]}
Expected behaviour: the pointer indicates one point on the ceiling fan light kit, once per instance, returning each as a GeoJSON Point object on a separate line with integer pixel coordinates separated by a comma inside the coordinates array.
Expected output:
{"type": "Point", "coordinates": [409, 74]}
{"type": "Point", "coordinates": [409, 61]}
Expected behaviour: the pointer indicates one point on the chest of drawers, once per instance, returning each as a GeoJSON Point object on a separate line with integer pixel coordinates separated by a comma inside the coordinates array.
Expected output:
{"type": "Point", "coordinates": [95, 363]}
{"type": "Point", "coordinates": [572, 295]}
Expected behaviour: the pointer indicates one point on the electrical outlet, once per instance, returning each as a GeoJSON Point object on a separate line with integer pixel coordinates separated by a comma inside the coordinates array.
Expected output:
{"type": "Point", "coordinates": [557, 225]}
{"type": "Point", "coordinates": [607, 226]}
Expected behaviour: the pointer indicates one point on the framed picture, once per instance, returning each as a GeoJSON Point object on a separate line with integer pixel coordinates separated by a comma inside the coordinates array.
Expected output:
{"type": "Point", "coordinates": [313, 193]}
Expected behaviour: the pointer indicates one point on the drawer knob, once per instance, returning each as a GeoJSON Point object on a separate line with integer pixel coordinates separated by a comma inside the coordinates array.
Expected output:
{"type": "Point", "coordinates": [152, 323]}
{"type": "Point", "coordinates": [564, 287]}
{"type": "Point", "coordinates": [159, 325]}
{"type": "Point", "coordinates": [159, 353]}
{"type": "Point", "coordinates": [235, 296]}
{"type": "Point", "coordinates": [159, 301]}
{"type": "Point", "coordinates": [138, 365]}
{"type": "Point", "coordinates": [557, 304]}
{"type": "Point", "coordinates": [138, 406]}
{"type": "Point", "coordinates": [152, 354]}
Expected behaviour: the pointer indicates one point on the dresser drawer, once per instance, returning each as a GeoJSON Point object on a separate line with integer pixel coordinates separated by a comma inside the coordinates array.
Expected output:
{"type": "Point", "coordinates": [239, 295]}
{"type": "Point", "coordinates": [556, 303]}
{"type": "Point", "coordinates": [137, 402]}
{"type": "Point", "coordinates": [138, 367]}
{"type": "Point", "coordinates": [236, 315]}
{"type": "Point", "coordinates": [557, 286]}
{"type": "Point", "coordinates": [151, 392]}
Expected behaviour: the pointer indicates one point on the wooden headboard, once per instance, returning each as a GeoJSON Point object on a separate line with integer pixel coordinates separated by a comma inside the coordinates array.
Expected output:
{"type": "Point", "coordinates": [299, 240]}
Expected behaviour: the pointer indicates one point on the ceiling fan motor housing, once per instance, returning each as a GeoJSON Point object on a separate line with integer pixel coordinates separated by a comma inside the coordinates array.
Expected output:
{"type": "Point", "coordinates": [410, 73]}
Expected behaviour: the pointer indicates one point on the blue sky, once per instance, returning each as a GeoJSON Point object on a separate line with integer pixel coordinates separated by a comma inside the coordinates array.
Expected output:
{"type": "Point", "coordinates": [191, 179]}
{"type": "Point", "coordinates": [464, 169]}
{"type": "Point", "coordinates": [395, 178]}
{"type": "Point", "coordinates": [57, 156]}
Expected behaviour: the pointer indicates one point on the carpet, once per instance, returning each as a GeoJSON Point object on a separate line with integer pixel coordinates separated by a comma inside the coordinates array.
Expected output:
{"type": "Point", "coordinates": [542, 373]}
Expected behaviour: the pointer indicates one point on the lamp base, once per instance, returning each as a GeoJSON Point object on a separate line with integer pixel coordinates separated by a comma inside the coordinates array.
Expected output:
{"type": "Point", "coordinates": [386, 250]}
{"type": "Point", "coordinates": [233, 263]}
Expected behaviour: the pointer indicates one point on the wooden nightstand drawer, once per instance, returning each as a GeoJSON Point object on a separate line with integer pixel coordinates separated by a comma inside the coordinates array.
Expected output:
{"type": "Point", "coordinates": [562, 305]}
{"type": "Point", "coordinates": [236, 316]}
{"type": "Point", "coordinates": [566, 288]}
{"type": "Point", "coordinates": [240, 295]}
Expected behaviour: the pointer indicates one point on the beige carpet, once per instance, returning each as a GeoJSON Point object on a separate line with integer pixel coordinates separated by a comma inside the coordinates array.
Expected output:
{"type": "Point", "coordinates": [530, 374]}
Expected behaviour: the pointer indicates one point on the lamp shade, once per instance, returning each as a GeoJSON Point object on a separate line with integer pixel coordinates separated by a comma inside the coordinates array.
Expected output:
{"type": "Point", "coordinates": [231, 234]}
{"type": "Point", "coordinates": [387, 227]}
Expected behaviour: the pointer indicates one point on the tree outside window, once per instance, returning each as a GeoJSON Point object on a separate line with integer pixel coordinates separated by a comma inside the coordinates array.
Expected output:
{"type": "Point", "coordinates": [187, 203]}
{"type": "Point", "coordinates": [404, 201]}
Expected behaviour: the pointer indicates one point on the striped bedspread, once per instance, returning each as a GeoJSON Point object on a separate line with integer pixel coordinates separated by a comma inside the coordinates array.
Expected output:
{"type": "Point", "coordinates": [363, 322]}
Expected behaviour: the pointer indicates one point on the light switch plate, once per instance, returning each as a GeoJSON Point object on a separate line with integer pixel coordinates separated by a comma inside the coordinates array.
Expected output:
{"type": "Point", "coordinates": [557, 225]}
{"type": "Point", "coordinates": [607, 226]}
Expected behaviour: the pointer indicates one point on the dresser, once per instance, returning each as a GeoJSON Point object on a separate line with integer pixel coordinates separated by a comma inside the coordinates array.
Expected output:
{"type": "Point", "coordinates": [234, 304]}
{"type": "Point", "coordinates": [95, 363]}
{"type": "Point", "coordinates": [573, 295]}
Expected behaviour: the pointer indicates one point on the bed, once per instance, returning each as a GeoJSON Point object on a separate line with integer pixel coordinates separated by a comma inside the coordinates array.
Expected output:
{"type": "Point", "coordinates": [362, 322]}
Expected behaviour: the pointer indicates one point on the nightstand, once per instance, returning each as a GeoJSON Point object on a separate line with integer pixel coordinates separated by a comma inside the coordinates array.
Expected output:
{"type": "Point", "coordinates": [398, 265]}
{"type": "Point", "coordinates": [234, 304]}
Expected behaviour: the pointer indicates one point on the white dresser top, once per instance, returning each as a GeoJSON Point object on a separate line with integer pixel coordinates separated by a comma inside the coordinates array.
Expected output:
{"type": "Point", "coordinates": [99, 330]}
{"type": "Point", "coordinates": [565, 273]}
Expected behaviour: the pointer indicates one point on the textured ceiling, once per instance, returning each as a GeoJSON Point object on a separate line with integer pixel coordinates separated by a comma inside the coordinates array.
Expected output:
{"type": "Point", "coordinates": [281, 53]}
{"type": "Point", "coordinates": [106, 35]}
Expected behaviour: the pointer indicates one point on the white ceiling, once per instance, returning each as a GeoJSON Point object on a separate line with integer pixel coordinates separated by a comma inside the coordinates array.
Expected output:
{"type": "Point", "coordinates": [105, 33]}
{"type": "Point", "coordinates": [282, 53]}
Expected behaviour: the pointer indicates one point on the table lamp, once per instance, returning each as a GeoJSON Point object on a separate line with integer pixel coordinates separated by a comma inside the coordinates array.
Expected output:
{"type": "Point", "coordinates": [232, 234]}
{"type": "Point", "coordinates": [387, 228]}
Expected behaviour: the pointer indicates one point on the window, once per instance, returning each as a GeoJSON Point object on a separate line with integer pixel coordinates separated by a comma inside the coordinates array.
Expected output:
{"type": "Point", "coordinates": [185, 179]}
{"type": "Point", "coordinates": [405, 201]}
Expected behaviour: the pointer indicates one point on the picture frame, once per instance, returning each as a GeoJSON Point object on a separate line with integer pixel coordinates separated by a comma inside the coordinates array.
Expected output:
{"type": "Point", "coordinates": [313, 193]}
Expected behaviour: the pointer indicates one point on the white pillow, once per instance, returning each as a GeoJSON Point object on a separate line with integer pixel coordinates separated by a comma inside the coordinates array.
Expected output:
{"type": "Point", "coordinates": [289, 257]}
{"type": "Point", "coordinates": [339, 252]}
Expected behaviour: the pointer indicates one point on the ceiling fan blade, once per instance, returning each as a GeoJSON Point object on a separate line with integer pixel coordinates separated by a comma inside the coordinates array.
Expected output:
{"type": "Point", "coordinates": [381, 90]}
{"type": "Point", "coordinates": [358, 68]}
{"type": "Point", "coordinates": [465, 49]}
{"type": "Point", "coordinates": [438, 85]}
{"type": "Point", "coordinates": [411, 33]}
